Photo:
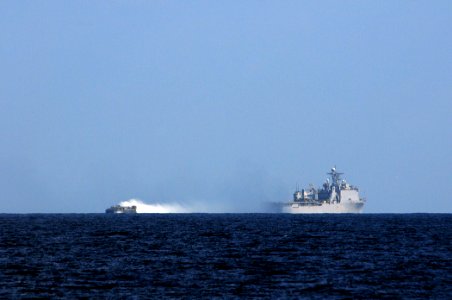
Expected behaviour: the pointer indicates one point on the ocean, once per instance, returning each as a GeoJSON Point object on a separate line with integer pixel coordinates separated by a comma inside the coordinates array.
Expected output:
{"type": "Point", "coordinates": [226, 256]}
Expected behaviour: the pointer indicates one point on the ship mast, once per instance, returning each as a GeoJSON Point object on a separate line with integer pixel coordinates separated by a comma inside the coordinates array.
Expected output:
{"type": "Point", "coordinates": [335, 176]}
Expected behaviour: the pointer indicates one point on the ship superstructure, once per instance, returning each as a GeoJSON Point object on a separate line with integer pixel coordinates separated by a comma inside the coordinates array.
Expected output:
{"type": "Point", "coordinates": [335, 196]}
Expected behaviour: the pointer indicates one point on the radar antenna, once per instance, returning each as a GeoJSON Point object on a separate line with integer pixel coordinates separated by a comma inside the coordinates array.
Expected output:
{"type": "Point", "coordinates": [335, 176]}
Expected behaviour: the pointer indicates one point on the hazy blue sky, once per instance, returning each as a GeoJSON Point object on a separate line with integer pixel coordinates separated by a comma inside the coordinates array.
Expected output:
{"type": "Point", "coordinates": [227, 102]}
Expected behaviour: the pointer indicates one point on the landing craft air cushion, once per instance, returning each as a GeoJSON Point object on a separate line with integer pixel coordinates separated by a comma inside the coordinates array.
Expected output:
{"type": "Point", "coordinates": [118, 209]}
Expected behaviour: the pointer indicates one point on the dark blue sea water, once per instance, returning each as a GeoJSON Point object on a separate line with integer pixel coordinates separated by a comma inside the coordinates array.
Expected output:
{"type": "Point", "coordinates": [226, 255]}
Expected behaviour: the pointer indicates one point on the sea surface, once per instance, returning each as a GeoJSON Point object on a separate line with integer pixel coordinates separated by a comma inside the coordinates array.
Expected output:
{"type": "Point", "coordinates": [226, 256]}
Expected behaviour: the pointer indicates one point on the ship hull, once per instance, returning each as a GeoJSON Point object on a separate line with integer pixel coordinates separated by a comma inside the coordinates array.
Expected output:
{"type": "Point", "coordinates": [336, 208]}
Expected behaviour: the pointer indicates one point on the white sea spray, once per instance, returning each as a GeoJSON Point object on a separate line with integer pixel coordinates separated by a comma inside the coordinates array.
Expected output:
{"type": "Point", "coordinates": [156, 208]}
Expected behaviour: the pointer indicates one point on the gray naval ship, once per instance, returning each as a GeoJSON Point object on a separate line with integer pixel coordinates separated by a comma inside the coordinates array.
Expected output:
{"type": "Point", "coordinates": [118, 209]}
{"type": "Point", "coordinates": [335, 196]}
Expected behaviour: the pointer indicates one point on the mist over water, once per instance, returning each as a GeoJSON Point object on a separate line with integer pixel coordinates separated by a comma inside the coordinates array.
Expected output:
{"type": "Point", "coordinates": [196, 207]}
{"type": "Point", "coordinates": [248, 189]}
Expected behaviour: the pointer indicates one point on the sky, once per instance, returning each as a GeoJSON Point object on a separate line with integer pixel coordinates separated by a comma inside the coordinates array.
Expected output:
{"type": "Point", "coordinates": [223, 105]}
